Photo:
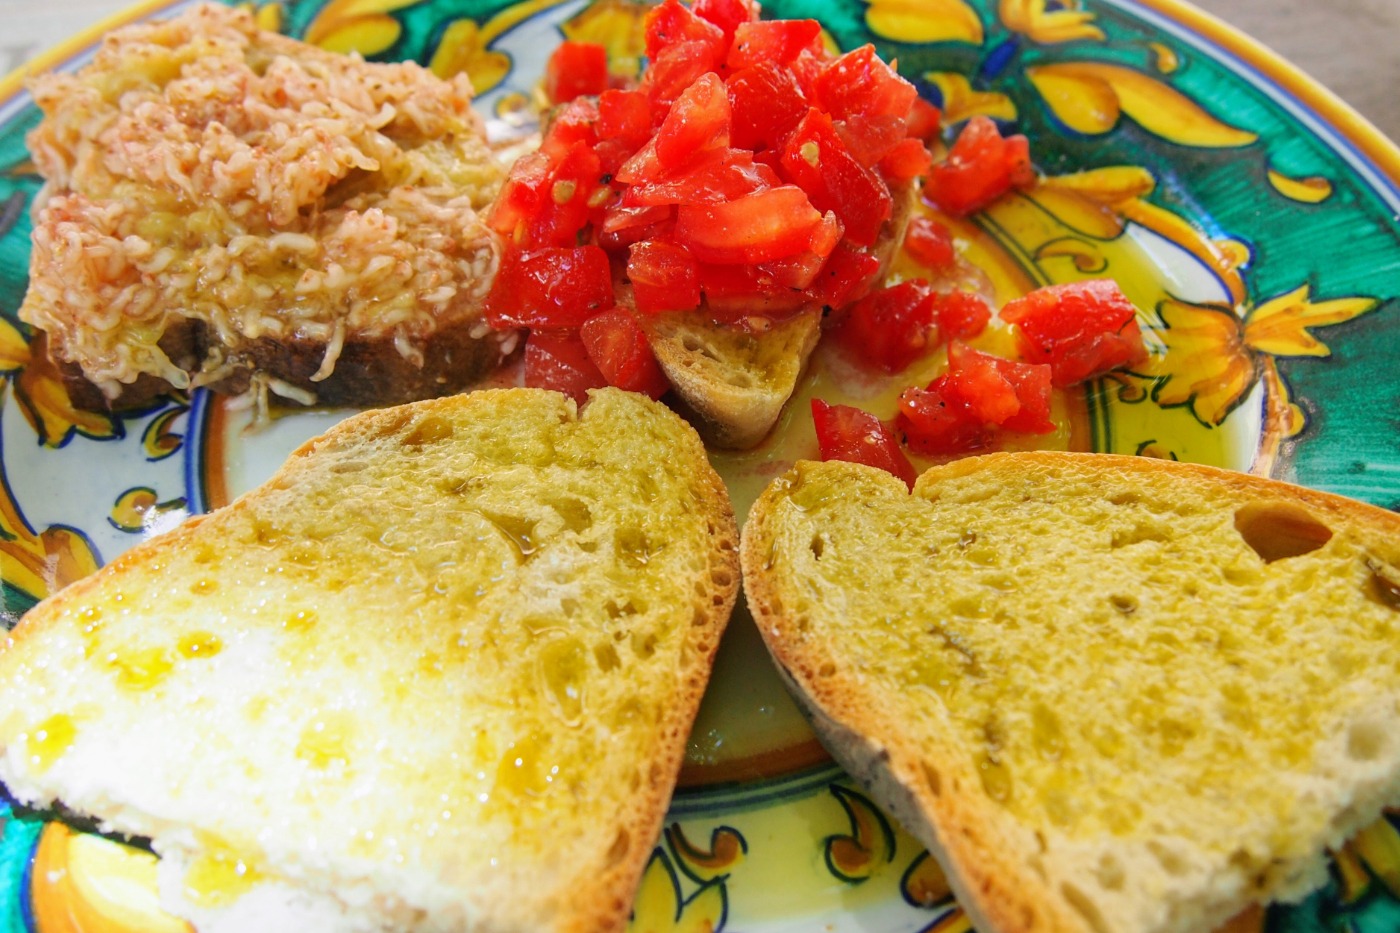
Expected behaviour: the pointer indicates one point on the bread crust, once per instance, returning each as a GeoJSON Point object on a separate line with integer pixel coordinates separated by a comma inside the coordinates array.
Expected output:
{"type": "Point", "coordinates": [931, 785]}
{"type": "Point", "coordinates": [368, 372]}
{"type": "Point", "coordinates": [592, 894]}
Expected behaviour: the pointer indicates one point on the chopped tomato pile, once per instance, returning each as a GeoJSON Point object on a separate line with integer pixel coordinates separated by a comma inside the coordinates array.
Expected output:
{"type": "Point", "coordinates": [749, 173]}
{"type": "Point", "coordinates": [1066, 334]}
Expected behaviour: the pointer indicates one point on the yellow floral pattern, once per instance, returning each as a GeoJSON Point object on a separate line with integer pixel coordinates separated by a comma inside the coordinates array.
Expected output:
{"type": "Point", "coordinates": [362, 26]}
{"type": "Point", "coordinates": [1091, 97]}
{"type": "Point", "coordinates": [42, 397]}
{"type": "Point", "coordinates": [1215, 356]}
{"type": "Point", "coordinates": [870, 844]}
{"type": "Point", "coordinates": [962, 101]}
{"type": "Point", "coordinates": [924, 21]}
{"type": "Point", "coordinates": [1067, 22]}
{"type": "Point", "coordinates": [661, 904]}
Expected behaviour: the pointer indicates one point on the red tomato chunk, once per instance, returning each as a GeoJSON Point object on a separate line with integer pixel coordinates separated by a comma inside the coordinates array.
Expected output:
{"type": "Point", "coordinates": [962, 409]}
{"type": "Point", "coordinates": [851, 434]}
{"type": "Point", "coordinates": [1081, 329]}
{"type": "Point", "coordinates": [575, 69]}
{"type": "Point", "coordinates": [981, 167]}
{"type": "Point", "coordinates": [746, 175]}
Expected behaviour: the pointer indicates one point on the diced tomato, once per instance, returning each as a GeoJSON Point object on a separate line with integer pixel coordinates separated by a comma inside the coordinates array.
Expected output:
{"type": "Point", "coordinates": [624, 115]}
{"type": "Point", "coordinates": [521, 197]}
{"type": "Point", "coordinates": [734, 294]}
{"type": "Point", "coordinates": [816, 159]}
{"type": "Point", "coordinates": [726, 14]}
{"type": "Point", "coordinates": [560, 361]}
{"type": "Point", "coordinates": [960, 315]}
{"type": "Point", "coordinates": [754, 228]}
{"type": "Point", "coordinates": [891, 327]}
{"type": "Point", "coordinates": [1011, 395]}
{"type": "Point", "coordinates": [847, 275]}
{"type": "Point", "coordinates": [906, 160]}
{"type": "Point", "coordinates": [776, 40]}
{"type": "Point", "coordinates": [563, 208]}
{"type": "Point", "coordinates": [981, 167]}
{"type": "Point", "coordinates": [925, 120]}
{"type": "Point", "coordinates": [962, 409]}
{"type": "Point", "coordinates": [551, 288]}
{"type": "Point", "coordinates": [721, 176]}
{"type": "Point", "coordinates": [675, 69]}
{"type": "Point", "coordinates": [767, 105]}
{"type": "Point", "coordinates": [930, 243]}
{"type": "Point", "coordinates": [622, 226]}
{"type": "Point", "coordinates": [697, 125]}
{"type": "Point", "coordinates": [934, 425]}
{"type": "Point", "coordinates": [575, 69]}
{"type": "Point", "coordinates": [671, 23]}
{"type": "Point", "coordinates": [867, 100]}
{"type": "Point", "coordinates": [859, 85]}
{"type": "Point", "coordinates": [1081, 329]}
{"type": "Point", "coordinates": [619, 349]}
{"type": "Point", "coordinates": [664, 277]}
{"type": "Point", "coordinates": [856, 436]}
{"type": "Point", "coordinates": [575, 122]}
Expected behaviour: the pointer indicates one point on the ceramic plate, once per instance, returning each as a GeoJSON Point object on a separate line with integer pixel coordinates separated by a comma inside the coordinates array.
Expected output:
{"type": "Point", "coordinates": [1249, 215]}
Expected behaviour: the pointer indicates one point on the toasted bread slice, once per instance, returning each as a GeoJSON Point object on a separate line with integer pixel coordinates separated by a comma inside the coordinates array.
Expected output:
{"type": "Point", "coordinates": [228, 207]}
{"type": "Point", "coordinates": [734, 381]}
{"type": "Point", "coordinates": [1110, 694]}
{"type": "Point", "coordinates": [436, 674]}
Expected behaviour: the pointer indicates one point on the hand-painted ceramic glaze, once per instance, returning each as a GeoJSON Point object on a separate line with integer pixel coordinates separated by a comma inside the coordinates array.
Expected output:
{"type": "Point", "coordinates": [1250, 216]}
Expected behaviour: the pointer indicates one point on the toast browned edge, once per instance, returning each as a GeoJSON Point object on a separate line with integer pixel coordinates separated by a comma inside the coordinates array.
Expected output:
{"type": "Point", "coordinates": [368, 372]}
{"type": "Point", "coordinates": [994, 894]}
{"type": "Point", "coordinates": [739, 413]}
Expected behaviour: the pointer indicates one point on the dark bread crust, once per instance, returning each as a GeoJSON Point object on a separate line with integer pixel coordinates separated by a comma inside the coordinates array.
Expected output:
{"type": "Point", "coordinates": [369, 372]}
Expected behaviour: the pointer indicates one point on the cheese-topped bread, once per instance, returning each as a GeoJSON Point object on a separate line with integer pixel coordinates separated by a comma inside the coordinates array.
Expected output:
{"type": "Point", "coordinates": [1110, 694]}
{"type": "Point", "coordinates": [436, 674]}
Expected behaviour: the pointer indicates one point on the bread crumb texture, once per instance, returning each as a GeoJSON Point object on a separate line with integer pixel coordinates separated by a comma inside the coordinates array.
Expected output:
{"type": "Point", "coordinates": [1156, 692]}
{"type": "Point", "coordinates": [440, 668]}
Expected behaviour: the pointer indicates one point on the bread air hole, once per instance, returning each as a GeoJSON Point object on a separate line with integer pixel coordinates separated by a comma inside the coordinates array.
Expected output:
{"type": "Point", "coordinates": [1084, 905]}
{"type": "Point", "coordinates": [1279, 530]}
{"type": "Point", "coordinates": [1365, 741]}
{"type": "Point", "coordinates": [1383, 588]}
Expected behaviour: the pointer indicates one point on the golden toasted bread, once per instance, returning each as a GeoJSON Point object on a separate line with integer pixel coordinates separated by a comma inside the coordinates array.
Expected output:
{"type": "Point", "coordinates": [437, 673]}
{"type": "Point", "coordinates": [1110, 694]}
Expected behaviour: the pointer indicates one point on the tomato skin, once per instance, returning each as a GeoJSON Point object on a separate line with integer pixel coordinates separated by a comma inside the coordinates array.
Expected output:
{"type": "Point", "coordinates": [676, 68]}
{"type": "Point", "coordinates": [767, 105]}
{"type": "Point", "coordinates": [620, 351]}
{"type": "Point", "coordinates": [817, 160]}
{"type": "Point", "coordinates": [931, 244]}
{"type": "Point", "coordinates": [777, 41]}
{"type": "Point", "coordinates": [981, 167]}
{"type": "Point", "coordinates": [721, 176]}
{"type": "Point", "coordinates": [1081, 329]}
{"type": "Point", "coordinates": [696, 125]}
{"type": "Point", "coordinates": [575, 69]}
{"type": "Point", "coordinates": [562, 209]}
{"type": "Point", "coordinates": [560, 361]}
{"type": "Point", "coordinates": [856, 436]}
{"type": "Point", "coordinates": [858, 85]}
{"type": "Point", "coordinates": [550, 288]}
{"type": "Point", "coordinates": [891, 327]}
{"type": "Point", "coordinates": [521, 197]}
{"type": "Point", "coordinates": [754, 228]}
{"type": "Point", "coordinates": [664, 277]}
